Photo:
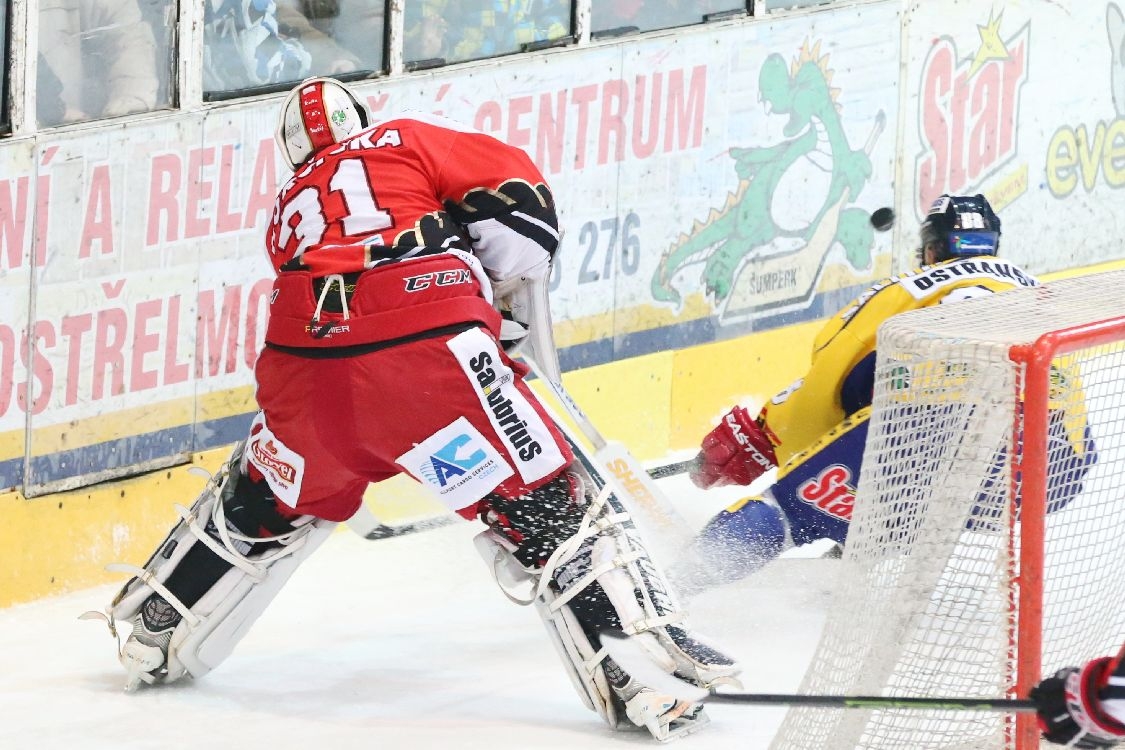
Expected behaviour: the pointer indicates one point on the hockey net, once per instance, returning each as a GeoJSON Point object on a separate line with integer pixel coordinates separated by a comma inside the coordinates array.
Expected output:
{"type": "Point", "coordinates": [980, 554]}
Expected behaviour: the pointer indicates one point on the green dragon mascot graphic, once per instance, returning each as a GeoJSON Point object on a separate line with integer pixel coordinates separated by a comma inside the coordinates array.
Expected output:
{"type": "Point", "coordinates": [793, 197]}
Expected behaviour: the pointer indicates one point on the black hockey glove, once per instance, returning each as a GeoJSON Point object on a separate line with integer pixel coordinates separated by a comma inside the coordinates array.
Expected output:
{"type": "Point", "coordinates": [1068, 708]}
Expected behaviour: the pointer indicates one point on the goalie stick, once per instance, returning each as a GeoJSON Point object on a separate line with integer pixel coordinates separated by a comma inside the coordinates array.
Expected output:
{"type": "Point", "coordinates": [631, 480]}
{"type": "Point", "coordinates": [632, 657]}
{"type": "Point", "coordinates": [367, 525]}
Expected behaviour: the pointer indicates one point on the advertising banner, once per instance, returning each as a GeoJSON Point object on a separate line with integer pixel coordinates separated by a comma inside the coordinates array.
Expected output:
{"type": "Point", "coordinates": [712, 181]}
{"type": "Point", "coordinates": [1024, 102]}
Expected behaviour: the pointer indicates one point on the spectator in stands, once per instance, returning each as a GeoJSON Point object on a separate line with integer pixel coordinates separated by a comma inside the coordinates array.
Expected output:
{"type": "Point", "coordinates": [480, 26]}
{"type": "Point", "coordinates": [244, 46]}
{"type": "Point", "coordinates": [530, 21]}
{"type": "Point", "coordinates": [340, 35]}
{"type": "Point", "coordinates": [473, 29]}
{"type": "Point", "coordinates": [97, 59]}
{"type": "Point", "coordinates": [426, 34]}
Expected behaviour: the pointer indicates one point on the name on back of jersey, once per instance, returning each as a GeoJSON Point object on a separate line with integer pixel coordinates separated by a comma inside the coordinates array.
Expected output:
{"type": "Point", "coordinates": [928, 280]}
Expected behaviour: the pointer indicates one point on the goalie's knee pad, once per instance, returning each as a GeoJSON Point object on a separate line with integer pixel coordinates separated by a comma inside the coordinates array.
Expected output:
{"type": "Point", "coordinates": [210, 579]}
{"type": "Point", "coordinates": [589, 572]}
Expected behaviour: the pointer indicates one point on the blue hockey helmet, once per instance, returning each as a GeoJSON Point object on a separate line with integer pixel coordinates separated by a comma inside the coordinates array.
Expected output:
{"type": "Point", "coordinates": [961, 226]}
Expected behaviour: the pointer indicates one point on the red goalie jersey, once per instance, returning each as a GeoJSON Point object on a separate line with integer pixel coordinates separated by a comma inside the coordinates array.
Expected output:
{"type": "Point", "coordinates": [387, 245]}
{"type": "Point", "coordinates": [403, 189]}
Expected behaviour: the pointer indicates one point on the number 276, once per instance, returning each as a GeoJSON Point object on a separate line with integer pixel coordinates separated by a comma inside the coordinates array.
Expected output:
{"type": "Point", "coordinates": [601, 240]}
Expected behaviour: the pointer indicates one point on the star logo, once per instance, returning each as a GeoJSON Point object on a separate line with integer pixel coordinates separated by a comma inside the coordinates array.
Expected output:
{"type": "Point", "coordinates": [992, 47]}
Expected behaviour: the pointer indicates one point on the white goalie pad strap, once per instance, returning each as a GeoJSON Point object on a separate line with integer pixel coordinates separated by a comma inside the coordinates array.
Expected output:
{"type": "Point", "coordinates": [581, 660]}
{"type": "Point", "coordinates": [232, 605]}
{"type": "Point", "coordinates": [167, 556]}
{"type": "Point", "coordinates": [664, 716]}
{"type": "Point", "coordinates": [221, 548]}
{"type": "Point", "coordinates": [616, 561]}
{"type": "Point", "coordinates": [583, 663]}
{"type": "Point", "coordinates": [621, 584]}
{"type": "Point", "coordinates": [605, 549]}
{"type": "Point", "coordinates": [230, 546]}
{"type": "Point", "coordinates": [148, 578]}
{"type": "Point", "coordinates": [211, 627]}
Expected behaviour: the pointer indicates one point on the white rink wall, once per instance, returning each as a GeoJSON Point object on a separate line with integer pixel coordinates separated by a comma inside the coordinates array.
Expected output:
{"type": "Point", "coordinates": [715, 183]}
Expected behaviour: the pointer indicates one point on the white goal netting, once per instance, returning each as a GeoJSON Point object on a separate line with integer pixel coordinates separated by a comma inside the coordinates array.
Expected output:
{"type": "Point", "coordinates": [939, 591]}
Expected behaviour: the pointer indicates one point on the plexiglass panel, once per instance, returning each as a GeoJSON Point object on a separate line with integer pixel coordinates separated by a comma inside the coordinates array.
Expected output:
{"type": "Point", "coordinates": [608, 17]}
{"type": "Point", "coordinates": [445, 31]}
{"type": "Point", "coordinates": [104, 58]}
{"type": "Point", "coordinates": [249, 44]}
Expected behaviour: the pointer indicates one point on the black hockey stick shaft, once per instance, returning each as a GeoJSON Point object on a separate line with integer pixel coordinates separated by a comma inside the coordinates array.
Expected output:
{"type": "Point", "coordinates": [1009, 705]}
{"type": "Point", "coordinates": [670, 470]}
{"type": "Point", "coordinates": [385, 531]}
{"type": "Point", "coordinates": [637, 661]}
{"type": "Point", "coordinates": [367, 526]}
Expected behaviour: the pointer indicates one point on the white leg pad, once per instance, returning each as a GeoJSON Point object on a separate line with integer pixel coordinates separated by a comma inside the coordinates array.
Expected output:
{"type": "Point", "coordinates": [605, 551]}
{"type": "Point", "coordinates": [582, 661]}
{"type": "Point", "coordinates": [211, 628]}
{"type": "Point", "coordinates": [227, 611]}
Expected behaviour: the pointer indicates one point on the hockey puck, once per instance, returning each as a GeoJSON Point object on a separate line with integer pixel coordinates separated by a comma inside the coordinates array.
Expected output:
{"type": "Point", "coordinates": [883, 218]}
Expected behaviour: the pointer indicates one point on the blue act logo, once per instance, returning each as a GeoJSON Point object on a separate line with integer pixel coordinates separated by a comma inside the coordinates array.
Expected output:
{"type": "Point", "coordinates": [445, 465]}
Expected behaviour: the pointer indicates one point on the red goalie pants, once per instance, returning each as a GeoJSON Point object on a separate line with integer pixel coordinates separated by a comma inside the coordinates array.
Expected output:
{"type": "Point", "coordinates": [453, 411]}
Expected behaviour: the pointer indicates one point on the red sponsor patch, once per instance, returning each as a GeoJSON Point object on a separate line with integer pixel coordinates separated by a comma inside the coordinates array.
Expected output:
{"type": "Point", "coordinates": [831, 491]}
{"type": "Point", "coordinates": [266, 456]}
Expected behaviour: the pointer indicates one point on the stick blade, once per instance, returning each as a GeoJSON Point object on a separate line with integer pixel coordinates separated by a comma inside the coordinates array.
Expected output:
{"type": "Point", "coordinates": [383, 531]}
{"type": "Point", "coordinates": [631, 656]}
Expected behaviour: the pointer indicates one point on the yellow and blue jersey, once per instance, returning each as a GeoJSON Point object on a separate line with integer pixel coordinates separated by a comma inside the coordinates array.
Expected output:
{"type": "Point", "coordinates": [819, 424]}
{"type": "Point", "coordinates": [840, 378]}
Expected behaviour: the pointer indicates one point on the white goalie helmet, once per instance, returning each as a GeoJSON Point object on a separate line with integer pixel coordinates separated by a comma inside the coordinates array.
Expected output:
{"type": "Point", "coordinates": [317, 113]}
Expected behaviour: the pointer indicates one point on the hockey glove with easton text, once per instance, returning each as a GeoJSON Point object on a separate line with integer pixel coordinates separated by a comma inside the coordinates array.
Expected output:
{"type": "Point", "coordinates": [738, 451]}
{"type": "Point", "coordinates": [1070, 709]}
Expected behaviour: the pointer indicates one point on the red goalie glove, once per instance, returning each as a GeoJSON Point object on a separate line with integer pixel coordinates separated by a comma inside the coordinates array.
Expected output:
{"type": "Point", "coordinates": [735, 452]}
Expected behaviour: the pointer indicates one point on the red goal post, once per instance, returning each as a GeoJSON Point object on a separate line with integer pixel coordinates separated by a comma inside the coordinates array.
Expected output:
{"type": "Point", "coordinates": [986, 541]}
{"type": "Point", "coordinates": [1036, 362]}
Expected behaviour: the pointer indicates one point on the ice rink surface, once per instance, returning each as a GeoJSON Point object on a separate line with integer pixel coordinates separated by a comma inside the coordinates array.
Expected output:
{"type": "Point", "coordinates": [398, 643]}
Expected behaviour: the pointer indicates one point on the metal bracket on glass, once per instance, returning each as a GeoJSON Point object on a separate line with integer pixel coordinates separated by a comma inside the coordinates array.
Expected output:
{"type": "Point", "coordinates": [725, 15]}
{"type": "Point", "coordinates": [611, 33]}
{"type": "Point", "coordinates": [561, 41]}
{"type": "Point", "coordinates": [425, 64]}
